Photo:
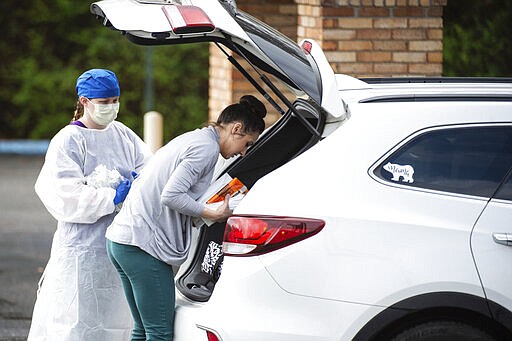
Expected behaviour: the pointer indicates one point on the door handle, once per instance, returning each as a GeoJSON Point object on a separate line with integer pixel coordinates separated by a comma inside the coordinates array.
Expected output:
{"type": "Point", "coordinates": [503, 238]}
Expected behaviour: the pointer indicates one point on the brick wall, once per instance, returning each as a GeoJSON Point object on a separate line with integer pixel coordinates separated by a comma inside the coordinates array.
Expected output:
{"type": "Point", "coordinates": [220, 83]}
{"type": "Point", "coordinates": [370, 38]}
{"type": "Point", "coordinates": [361, 38]}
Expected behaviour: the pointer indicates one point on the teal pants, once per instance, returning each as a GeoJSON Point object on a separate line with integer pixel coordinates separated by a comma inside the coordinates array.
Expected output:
{"type": "Point", "coordinates": [149, 289]}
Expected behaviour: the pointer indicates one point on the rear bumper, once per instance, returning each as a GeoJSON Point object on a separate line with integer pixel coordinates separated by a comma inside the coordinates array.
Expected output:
{"type": "Point", "coordinates": [247, 304]}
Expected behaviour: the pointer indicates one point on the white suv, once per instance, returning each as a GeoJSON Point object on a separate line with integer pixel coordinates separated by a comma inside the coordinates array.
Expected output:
{"type": "Point", "coordinates": [378, 209]}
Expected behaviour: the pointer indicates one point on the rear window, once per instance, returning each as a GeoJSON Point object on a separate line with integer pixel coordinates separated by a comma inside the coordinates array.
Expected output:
{"type": "Point", "coordinates": [465, 160]}
{"type": "Point", "coordinates": [284, 52]}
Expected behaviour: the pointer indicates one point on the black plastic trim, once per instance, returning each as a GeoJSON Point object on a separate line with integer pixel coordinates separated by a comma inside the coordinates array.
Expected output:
{"type": "Point", "coordinates": [435, 306]}
{"type": "Point", "coordinates": [501, 315]}
{"type": "Point", "coordinates": [241, 168]}
{"type": "Point", "coordinates": [160, 39]}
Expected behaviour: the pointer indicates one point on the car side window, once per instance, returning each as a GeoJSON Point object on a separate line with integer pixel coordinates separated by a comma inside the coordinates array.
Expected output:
{"type": "Point", "coordinates": [466, 160]}
{"type": "Point", "coordinates": [505, 191]}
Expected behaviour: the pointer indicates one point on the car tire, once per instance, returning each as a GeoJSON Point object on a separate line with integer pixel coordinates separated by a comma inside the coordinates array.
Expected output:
{"type": "Point", "coordinates": [443, 331]}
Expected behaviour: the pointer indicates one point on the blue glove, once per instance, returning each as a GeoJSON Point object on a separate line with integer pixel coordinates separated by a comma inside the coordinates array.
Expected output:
{"type": "Point", "coordinates": [135, 175]}
{"type": "Point", "coordinates": [122, 191]}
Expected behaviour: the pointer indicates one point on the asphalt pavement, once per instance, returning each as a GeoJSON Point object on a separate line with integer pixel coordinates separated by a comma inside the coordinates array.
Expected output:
{"type": "Point", "coordinates": [26, 230]}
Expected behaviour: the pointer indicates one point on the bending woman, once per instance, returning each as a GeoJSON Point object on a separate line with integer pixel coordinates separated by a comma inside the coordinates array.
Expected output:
{"type": "Point", "coordinates": [153, 230]}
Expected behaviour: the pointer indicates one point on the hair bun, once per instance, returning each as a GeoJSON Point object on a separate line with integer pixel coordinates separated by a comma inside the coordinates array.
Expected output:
{"type": "Point", "coordinates": [254, 105]}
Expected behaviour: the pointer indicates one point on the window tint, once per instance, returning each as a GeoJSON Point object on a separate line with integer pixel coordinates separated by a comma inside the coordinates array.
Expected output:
{"type": "Point", "coordinates": [505, 191]}
{"type": "Point", "coordinates": [469, 160]}
{"type": "Point", "coordinates": [285, 53]}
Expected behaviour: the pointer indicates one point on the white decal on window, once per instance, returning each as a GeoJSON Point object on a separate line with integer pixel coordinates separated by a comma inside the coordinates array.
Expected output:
{"type": "Point", "coordinates": [406, 172]}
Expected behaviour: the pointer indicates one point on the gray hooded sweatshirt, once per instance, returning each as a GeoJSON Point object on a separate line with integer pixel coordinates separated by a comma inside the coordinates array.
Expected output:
{"type": "Point", "coordinates": [157, 213]}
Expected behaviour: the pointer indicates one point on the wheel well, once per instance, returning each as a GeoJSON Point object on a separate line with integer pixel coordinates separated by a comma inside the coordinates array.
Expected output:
{"type": "Point", "coordinates": [471, 318]}
{"type": "Point", "coordinates": [465, 308]}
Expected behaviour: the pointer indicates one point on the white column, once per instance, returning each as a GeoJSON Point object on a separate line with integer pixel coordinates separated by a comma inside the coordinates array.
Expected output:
{"type": "Point", "coordinates": [153, 130]}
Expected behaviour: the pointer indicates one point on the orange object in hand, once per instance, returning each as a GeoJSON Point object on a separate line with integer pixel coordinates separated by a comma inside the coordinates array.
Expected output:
{"type": "Point", "coordinates": [232, 188]}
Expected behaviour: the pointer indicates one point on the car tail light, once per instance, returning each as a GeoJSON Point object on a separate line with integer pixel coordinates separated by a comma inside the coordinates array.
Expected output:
{"type": "Point", "coordinates": [185, 19]}
{"type": "Point", "coordinates": [307, 46]}
{"type": "Point", "coordinates": [255, 235]}
{"type": "Point", "coordinates": [211, 336]}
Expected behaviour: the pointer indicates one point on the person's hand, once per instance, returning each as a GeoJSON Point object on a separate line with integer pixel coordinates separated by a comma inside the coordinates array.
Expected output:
{"type": "Point", "coordinates": [122, 191]}
{"type": "Point", "coordinates": [221, 213]}
{"type": "Point", "coordinates": [223, 210]}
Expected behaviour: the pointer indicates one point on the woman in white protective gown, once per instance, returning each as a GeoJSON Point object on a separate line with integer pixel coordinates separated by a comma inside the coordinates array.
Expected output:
{"type": "Point", "coordinates": [87, 173]}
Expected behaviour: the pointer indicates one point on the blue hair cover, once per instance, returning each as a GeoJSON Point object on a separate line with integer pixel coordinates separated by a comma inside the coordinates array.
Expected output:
{"type": "Point", "coordinates": [97, 83]}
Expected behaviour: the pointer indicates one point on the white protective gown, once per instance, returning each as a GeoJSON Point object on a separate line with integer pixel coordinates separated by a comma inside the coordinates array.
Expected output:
{"type": "Point", "coordinates": [80, 295]}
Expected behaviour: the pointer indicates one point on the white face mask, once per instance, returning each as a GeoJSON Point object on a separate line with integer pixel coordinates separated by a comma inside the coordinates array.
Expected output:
{"type": "Point", "coordinates": [104, 114]}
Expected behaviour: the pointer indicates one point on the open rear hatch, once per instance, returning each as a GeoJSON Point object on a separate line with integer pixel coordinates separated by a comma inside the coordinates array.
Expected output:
{"type": "Point", "coordinates": [303, 70]}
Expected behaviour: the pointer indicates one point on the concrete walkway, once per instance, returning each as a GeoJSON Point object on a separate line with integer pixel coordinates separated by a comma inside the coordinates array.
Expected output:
{"type": "Point", "coordinates": [26, 229]}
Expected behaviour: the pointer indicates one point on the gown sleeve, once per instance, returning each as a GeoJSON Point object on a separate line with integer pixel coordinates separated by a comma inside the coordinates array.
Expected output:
{"type": "Point", "coordinates": [61, 184]}
{"type": "Point", "coordinates": [142, 151]}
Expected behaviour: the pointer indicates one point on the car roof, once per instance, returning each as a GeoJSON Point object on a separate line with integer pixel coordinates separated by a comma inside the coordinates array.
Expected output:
{"type": "Point", "coordinates": [415, 89]}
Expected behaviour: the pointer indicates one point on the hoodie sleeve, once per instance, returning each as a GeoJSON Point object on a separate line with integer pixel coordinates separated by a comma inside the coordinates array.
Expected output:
{"type": "Point", "coordinates": [199, 161]}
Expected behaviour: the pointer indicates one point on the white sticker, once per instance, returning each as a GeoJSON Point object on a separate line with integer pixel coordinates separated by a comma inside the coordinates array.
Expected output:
{"type": "Point", "coordinates": [405, 172]}
{"type": "Point", "coordinates": [213, 253]}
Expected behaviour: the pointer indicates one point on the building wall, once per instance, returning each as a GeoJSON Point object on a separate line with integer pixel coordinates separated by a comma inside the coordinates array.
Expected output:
{"type": "Point", "coordinates": [361, 38]}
